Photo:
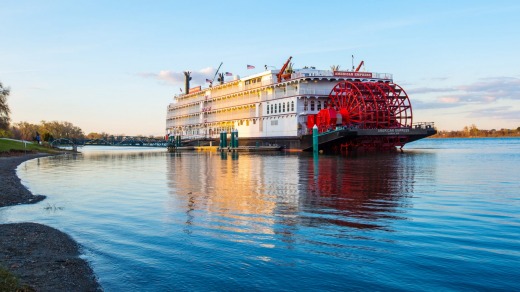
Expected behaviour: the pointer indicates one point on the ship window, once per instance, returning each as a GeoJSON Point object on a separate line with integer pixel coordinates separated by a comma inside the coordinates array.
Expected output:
{"type": "Point", "coordinates": [254, 122]}
{"type": "Point", "coordinates": [305, 105]}
{"type": "Point", "coordinates": [312, 105]}
{"type": "Point", "coordinates": [275, 109]}
{"type": "Point", "coordinates": [292, 106]}
{"type": "Point", "coordinates": [283, 104]}
{"type": "Point", "coordinates": [267, 109]}
{"type": "Point", "coordinates": [272, 108]}
{"type": "Point", "coordinates": [247, 123]}
{"type": "Point", "coordinates": [279, 108]}
{"type": "Point", "coordinates": [319, 105]}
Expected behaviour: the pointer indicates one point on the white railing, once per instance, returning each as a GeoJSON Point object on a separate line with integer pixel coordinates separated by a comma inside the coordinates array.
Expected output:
{"type": "Point", "coordinates": [315, 91]}
{"type": "Point", "coordinates": [245, 113]}
{"type": "Point", "coordinates": [328, 73]}
{"type": "Point", "coordinates": [253, 86]}
{"type": "Point", "coordinates": [312, 74]}
{"type": "Point", "coordinates": [192, 109]}
{"type": "Point", "coordinates": [185, 101]}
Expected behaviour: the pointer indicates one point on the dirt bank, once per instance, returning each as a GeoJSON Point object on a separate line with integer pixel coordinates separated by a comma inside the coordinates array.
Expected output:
{"type": "Point", "coordinates": [41, 257]}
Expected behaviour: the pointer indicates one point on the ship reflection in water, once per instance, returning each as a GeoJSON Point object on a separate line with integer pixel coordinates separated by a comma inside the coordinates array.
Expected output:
{"type": "Point", "coordinates": [425, 219]}
{"type": "Point", "coordinates": [283, 194]}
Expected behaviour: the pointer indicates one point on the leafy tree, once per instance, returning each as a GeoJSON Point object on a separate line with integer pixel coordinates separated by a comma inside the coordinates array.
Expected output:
{"type": "Point", "coordinates": [47, 137]}
{"type": "Point", "coordinates": [473, 131]}
{"type": "Point", "coordinates": [25, 131]}
{"type": "Point", "coordinates": [94, 135]}
{"type": "Point", "coordinates": [57, 130]}
{"type": "Point", "coordinates": [465, 131]}
{"type": "Point", "coordinates": [4, 108]}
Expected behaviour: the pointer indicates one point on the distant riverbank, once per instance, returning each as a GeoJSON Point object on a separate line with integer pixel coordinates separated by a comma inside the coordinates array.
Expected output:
{"type": "Point", "coordinates": [473, 132]}
{"type": "Point", "coordinates": [41, 257]}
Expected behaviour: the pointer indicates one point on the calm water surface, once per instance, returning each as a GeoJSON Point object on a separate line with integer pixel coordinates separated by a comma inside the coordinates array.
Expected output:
{"type": "Point", "coordinates": [444, 215]}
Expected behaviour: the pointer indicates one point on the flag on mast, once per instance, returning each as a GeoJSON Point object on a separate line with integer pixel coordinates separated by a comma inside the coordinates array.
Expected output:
{"type": "Point", "coordinates": [250, 67]}
{"type": "Point", "coordinates": [207, 80]}
{"type": "Point", "coordinates": [229, 74]}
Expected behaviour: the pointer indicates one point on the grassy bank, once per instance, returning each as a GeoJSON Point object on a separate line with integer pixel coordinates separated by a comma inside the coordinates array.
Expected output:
{"type": "Point", "coordinates": [9, 282]}
{"type": "Point", "coordinates": [13, 146]}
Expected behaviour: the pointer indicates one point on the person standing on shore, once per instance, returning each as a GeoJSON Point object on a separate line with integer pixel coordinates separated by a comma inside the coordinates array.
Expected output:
{"type": "Point", "coordinates": [38, 138]}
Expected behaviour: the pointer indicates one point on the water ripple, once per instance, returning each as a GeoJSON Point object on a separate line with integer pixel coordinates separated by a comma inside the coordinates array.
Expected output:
{"type": "Point", "coordinates": [444, 215]}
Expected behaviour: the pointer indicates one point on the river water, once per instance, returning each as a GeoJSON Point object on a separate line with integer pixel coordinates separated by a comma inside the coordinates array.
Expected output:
{"type": "Point", "coordinates": [443, 215]}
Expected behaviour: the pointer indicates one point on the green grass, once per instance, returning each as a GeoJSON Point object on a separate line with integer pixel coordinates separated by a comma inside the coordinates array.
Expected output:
{"type": "Point", "coordinates": [8, 282]}
{"type": "Point", "coordinates": [15, 146]}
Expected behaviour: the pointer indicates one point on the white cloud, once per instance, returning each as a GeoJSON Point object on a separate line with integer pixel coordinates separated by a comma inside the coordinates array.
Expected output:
{"type": "Point", "coordinates": [484, 91]}
{"type": "Point", "coordinates": [177, 78]}
{"type": "Point", "coordinates": [501, 113]}
{"type": "Point", "coordinates": [449, 99]}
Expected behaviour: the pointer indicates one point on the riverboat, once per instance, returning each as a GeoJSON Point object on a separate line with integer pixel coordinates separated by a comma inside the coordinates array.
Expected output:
{"type": "Point", "coordinates": [350, 109]}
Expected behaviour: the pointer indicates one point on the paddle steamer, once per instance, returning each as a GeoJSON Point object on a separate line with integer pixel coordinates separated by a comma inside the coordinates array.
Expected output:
{"type": "Point", "coordinates": [351, 110]}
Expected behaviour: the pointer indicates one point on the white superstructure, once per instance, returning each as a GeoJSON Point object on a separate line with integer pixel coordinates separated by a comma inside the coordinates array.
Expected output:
{"type": "Point", "coordinates": [258, 106]}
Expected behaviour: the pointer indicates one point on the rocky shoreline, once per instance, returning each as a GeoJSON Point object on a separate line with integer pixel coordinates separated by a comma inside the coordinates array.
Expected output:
{"type": "Point", "coordinates": [41, 257]}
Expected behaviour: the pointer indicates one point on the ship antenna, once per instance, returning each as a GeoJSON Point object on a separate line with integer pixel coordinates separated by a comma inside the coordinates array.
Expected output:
{"type": "Point", "coordinates": [352, 62]}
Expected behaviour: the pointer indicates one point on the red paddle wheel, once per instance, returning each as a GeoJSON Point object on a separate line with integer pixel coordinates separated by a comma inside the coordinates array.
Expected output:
{"type": "Point", "coordinates": [367, 105]}
{"type": "Point", "coordinates": [346, 99]}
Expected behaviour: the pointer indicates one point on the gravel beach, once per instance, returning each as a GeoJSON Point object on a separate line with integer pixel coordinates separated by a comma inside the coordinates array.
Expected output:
{"type": "Point", "coordinates": [43, 258]}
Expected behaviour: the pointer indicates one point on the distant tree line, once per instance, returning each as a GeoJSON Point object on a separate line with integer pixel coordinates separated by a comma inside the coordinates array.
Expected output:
{"type": "Point", "coordinates": [47, 131]}
{"type": "Point", "coordinates": [474, 132]}
{"type": "Point", "coordinates": [50, 131]}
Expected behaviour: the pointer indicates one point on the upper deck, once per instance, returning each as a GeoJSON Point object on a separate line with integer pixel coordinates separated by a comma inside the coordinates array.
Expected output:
{"type": "Point", "coordinates": [268, 79]}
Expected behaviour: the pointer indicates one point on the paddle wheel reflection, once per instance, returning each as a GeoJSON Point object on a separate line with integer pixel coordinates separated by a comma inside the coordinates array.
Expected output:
{"type": "Point", "coordinates": [361, 192]}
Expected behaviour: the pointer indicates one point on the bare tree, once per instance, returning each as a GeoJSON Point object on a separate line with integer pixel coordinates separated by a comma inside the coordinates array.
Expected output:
{"type": "Point", "coordinates": [4, 108]}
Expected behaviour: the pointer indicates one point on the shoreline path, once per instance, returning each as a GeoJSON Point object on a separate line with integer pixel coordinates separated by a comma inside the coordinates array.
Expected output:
{"type": "Point", "coordinates": [40, 256]}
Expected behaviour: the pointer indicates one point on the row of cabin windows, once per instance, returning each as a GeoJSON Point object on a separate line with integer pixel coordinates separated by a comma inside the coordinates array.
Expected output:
{"type": "Point", "coordinates": [314, 105]}
{"type": "Point", "coordinates": [254, 80]}
{"type": "Point", "coordinates": [280, 107]}
{"type": "Point", "coordinates": [241, 123]}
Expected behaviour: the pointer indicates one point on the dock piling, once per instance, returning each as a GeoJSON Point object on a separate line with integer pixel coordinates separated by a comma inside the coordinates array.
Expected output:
{"type": "Point", "coordinates": [315, 139]}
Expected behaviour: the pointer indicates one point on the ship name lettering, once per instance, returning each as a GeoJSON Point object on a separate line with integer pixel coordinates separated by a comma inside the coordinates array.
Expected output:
{"type": "Point", "coordinates": [393, 130]}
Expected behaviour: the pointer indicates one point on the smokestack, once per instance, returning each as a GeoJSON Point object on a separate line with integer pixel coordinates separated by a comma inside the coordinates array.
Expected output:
{"type": "Point", "coordinates": [221, 78]}
{"type": "Point", "coordinates": [187, 82]}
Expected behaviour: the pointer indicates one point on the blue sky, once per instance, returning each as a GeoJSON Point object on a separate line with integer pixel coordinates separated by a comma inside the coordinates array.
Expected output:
{"type": "Point", "coordinates": [114, 66]}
